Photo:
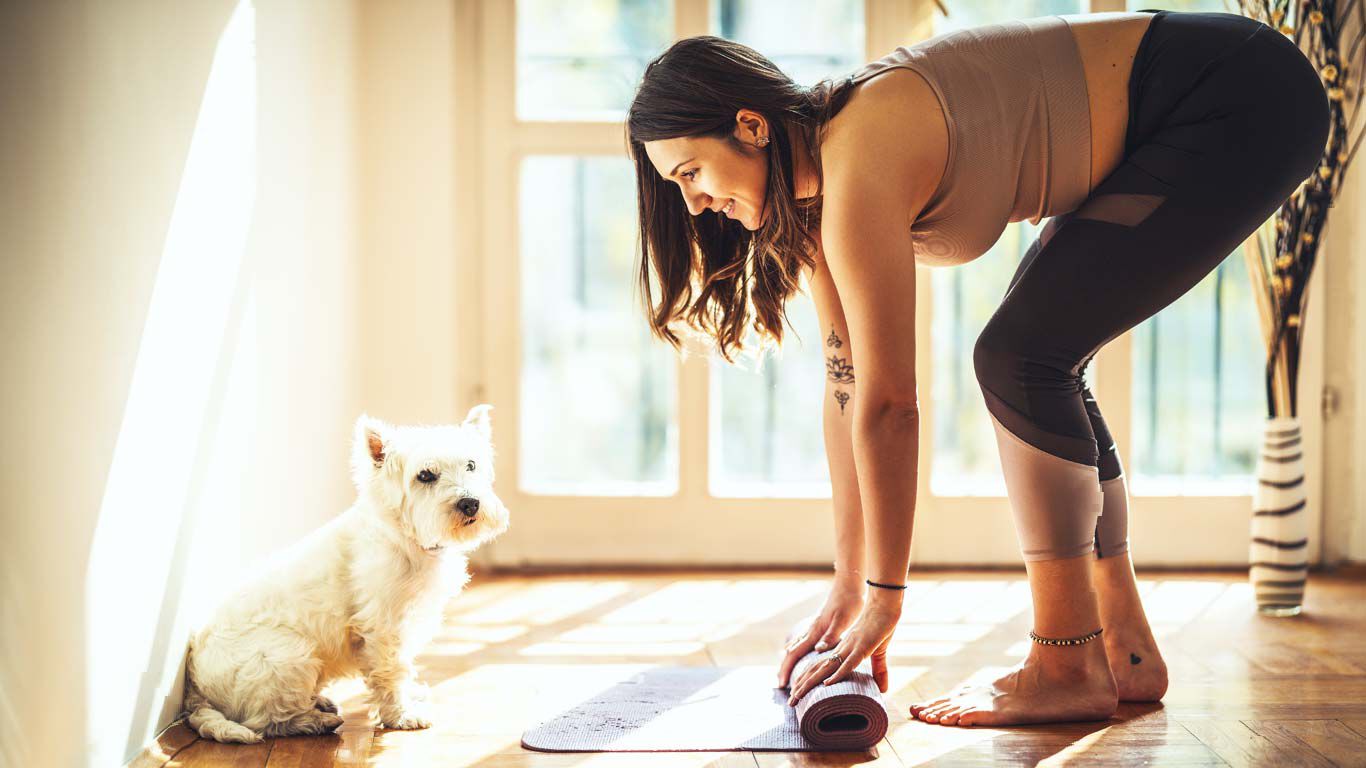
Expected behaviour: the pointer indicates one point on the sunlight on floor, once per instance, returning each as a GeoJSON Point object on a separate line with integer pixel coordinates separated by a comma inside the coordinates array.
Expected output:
{"type": "Point", "coordinates": [583, 630]}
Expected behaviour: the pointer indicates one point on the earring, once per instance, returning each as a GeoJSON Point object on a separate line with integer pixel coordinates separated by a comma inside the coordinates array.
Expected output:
{"type": "Point", "coordinates": [761, 142]}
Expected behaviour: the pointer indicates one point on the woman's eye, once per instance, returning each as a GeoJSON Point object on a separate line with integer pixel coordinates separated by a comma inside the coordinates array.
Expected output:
{"type": "Point", "coordinates": [690, 175]}
{"type": "Point", "coordinates": [426, 476]}
{"type": "Point", "coordinates": [469, 466]}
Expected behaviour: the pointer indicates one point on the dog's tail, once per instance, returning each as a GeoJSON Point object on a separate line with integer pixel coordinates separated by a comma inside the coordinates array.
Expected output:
{"type": "Point", "coordinates": [209, 722]}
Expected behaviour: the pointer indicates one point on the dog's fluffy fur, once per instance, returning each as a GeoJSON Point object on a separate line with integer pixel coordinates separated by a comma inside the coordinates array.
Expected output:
{"type": "Point", "coordinates": [361, 595]}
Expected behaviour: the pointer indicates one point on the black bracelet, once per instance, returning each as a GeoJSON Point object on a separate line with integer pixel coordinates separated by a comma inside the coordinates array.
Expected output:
{"type": "Point", "coordinates": [884, 586]}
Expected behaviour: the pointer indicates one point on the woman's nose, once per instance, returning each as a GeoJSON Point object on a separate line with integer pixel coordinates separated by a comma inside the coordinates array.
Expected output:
{"type": "Point", "coordinates": [697, 203]}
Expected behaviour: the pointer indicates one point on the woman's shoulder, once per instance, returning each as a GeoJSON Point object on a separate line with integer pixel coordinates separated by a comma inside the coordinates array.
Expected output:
{"type": "Point", "coordinates": [895, 124]}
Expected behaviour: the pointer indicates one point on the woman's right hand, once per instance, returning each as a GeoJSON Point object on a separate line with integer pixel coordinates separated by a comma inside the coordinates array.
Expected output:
{"type": "Point", "coordinates": [841, 609]}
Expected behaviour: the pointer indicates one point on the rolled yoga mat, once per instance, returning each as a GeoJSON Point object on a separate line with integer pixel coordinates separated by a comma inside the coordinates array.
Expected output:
{"type": "Point", "coordinates": [682, 709]}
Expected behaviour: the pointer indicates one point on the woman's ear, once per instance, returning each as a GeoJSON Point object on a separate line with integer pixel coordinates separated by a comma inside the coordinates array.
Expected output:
{"type": "Point", "coordinates": [749, 126]}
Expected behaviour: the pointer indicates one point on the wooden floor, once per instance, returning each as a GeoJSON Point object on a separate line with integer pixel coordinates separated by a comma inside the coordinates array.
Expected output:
{"type": "Point", "coordinates": [1245, 690]}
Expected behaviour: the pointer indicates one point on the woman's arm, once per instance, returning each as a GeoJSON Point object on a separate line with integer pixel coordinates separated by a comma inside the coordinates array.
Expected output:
{"type": "Point", "coordinates": [878, 162]}
{"type": "Point", "coordinates": [837, 418]}
{"type": "Point", "coordinates": [847, 590]}
{"type": "Point", "coordinates": [866, 222]}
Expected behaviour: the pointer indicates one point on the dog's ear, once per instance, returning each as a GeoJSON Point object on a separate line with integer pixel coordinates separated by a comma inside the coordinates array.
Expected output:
{"type": "Point", "coordinates": [369, 449]}
{"type": "Point", "coordinates": [478, 417]}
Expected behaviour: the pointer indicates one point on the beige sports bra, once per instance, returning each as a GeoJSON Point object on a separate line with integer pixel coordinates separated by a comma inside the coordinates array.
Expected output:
{"type": "Point", "coordinates": [1014, 97]}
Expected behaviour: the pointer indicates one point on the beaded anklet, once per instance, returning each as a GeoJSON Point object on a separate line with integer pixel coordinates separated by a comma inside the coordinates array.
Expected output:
{"type": "Point", "coordinates": [1069, 641]}
{"type": "Point", "coordinates": [884, 586]}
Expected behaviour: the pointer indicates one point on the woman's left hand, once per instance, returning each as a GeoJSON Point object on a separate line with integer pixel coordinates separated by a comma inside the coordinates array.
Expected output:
{"type": "Point", "coordinates": [869, 636]}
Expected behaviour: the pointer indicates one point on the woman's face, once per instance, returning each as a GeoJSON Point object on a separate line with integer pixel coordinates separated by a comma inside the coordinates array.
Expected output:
{"type": "Point", "coordinates": [713, 174]}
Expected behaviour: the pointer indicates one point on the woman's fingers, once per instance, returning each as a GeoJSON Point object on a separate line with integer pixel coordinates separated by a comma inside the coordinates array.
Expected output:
{"type": "Point", "coordinates": [880, 668]}
{"type": "Point", "coordinates": [810, 678]}
{"type": "Point", "coordinates": [850, 658]}
{"type": "Point", "coordinates": [798, 648]}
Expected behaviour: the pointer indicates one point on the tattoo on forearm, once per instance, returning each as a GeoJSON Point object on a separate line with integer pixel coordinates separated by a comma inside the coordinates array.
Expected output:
{"type": "Point", "coordinates": [839, 370]}
{"type": "Point", "coordinates": [841, 397]}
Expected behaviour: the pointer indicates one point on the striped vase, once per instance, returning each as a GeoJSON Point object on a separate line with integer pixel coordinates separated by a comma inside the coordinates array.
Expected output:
{"type": "Point", "coordinates": [1280, 521]}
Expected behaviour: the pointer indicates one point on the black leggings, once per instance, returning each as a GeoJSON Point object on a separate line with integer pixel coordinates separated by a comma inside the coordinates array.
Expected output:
{"type": "Point", "coordinates": [1226, 118]}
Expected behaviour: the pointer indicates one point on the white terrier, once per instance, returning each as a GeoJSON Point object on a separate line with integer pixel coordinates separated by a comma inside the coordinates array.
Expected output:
{"type": "Point", "coordinates": [361, 595]}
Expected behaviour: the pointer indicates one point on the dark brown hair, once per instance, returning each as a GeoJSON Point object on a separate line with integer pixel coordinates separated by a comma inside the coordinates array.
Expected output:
{"type": "Point", "coordinates": [714, 275]}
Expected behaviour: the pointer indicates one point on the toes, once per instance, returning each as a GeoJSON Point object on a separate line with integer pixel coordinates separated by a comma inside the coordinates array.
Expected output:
{"type": "Point", "coordinates": [953, 715]}
{"type": "Point", "coordinates": [933, 714]}
{"type": "Point", "coordinates": [931, 704]}
{"type": "Point", "coordinates": [973, 717]}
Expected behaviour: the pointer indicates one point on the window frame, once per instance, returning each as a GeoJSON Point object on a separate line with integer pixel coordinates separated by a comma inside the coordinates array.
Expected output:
{"type": "Point", "coordinates": [692, 527]}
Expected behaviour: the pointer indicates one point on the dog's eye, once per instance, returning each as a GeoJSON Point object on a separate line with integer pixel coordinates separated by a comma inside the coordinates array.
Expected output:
{"type": "Point", "coordinates": [469, 465]}
{"type": "Point", "coordinates": [426, 476]}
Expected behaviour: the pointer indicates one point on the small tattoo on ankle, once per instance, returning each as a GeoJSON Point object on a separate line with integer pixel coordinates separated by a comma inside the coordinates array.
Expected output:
{"type": "Point", "coordinates": [1134, 659]}
{"type": "Point", "coordinates": [841, 397]}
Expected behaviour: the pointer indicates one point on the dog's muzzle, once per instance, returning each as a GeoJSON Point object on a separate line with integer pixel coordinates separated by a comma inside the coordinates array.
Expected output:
{"type": "Point", "coordinates": [469, 507]}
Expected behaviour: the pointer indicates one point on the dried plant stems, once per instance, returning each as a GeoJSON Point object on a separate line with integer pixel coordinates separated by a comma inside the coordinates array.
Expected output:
{"type": "Point", "coordinates": [1281, 254]}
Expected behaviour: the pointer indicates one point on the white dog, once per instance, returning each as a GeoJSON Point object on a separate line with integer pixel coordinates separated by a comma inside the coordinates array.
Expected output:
{"type": "Point", "coordinates": [361, 595]}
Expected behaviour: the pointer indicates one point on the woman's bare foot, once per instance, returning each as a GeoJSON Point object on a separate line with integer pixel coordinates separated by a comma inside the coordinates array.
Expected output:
{"type": "Point", "coordinates": [1054, 684]}
{"type": "Point", "coordinates": [1137, 665]}
{"type": "Point", "coordinates": [1130, 647]}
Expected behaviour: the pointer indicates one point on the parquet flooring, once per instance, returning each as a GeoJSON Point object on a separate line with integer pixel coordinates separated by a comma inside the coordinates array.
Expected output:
{"type": "Point", "coordinates": [1246, 691]}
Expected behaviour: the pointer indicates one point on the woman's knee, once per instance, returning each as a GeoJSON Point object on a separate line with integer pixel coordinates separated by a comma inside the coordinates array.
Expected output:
{"type": "Point", "coordinates": [993, 358]}
{"type": "Point", "coordinates": [1006, 354]}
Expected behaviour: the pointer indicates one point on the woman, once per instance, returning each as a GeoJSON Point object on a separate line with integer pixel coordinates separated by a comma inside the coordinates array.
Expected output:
{"type": "Point", "coordinates": [1156, 141]}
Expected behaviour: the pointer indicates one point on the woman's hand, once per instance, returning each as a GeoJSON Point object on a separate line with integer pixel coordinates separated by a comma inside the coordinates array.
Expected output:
{"type": "Point", "coordinates": [869, 636]}
{"type": "Point", "coordinates": [841, 608]}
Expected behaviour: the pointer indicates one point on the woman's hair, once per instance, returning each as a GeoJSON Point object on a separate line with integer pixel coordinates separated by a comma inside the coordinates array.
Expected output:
{"type": "Point", "coordinates": [714, 275]}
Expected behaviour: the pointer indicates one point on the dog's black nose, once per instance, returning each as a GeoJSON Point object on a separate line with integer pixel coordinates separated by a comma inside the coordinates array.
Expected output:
{"type": "Point", "coordinates": [468, 507]}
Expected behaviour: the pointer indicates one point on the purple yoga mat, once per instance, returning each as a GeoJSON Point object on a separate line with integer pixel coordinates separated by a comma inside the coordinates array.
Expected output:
{"type": "Point", "coordinates": [680, 709]}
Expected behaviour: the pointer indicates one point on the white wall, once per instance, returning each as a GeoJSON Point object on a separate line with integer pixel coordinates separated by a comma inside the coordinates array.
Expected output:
{"type": "Point", "coordinates": [1343, 258]}
{"type": "Point", "coordinates": [1345, 429]}
{"type": "Point", "coordinates": [226, 230]}
{"type": "Point", "coordinates": [420, 297]}
{"type": "Point", "coordinates": [181, 337]}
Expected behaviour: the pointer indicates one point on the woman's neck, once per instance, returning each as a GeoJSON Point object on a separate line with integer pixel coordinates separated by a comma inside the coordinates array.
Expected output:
{"type": "Point", "coordinates": [803, 170]}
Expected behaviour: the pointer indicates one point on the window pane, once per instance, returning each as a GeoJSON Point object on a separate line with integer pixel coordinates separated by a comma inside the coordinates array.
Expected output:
{"type": "Point", "coordinates": [1198, 389]}
{"type": "Point", "coordinates": [965, 460]}
{"type": "Point", "coordinates": [597, 394]}
{"type": "Point", "coordinates": [1202, 6]}
{"type": "Point", "coordinates": [769, 422]}
{"type": "Point", "coordinates": [767, 433]}
{"type": "Point", "coordinates": [977, 12]}
{"type": "Point", "coordinates": [809, 40]}
{"type": "Point", "coordinates": [582, 60]}
{"type": "Point", "coordinates": [1197, 378]}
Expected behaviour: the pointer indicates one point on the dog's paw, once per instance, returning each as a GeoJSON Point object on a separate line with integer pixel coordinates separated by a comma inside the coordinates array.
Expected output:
{"type": "Point", "coordinates": [324, 704]}
{"type": "Point", "coordinates": [232, 733]}
{"type": "Point", "coordinates": [411, 716]}
{"type": "Point", "coordinates": [328, 721]}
